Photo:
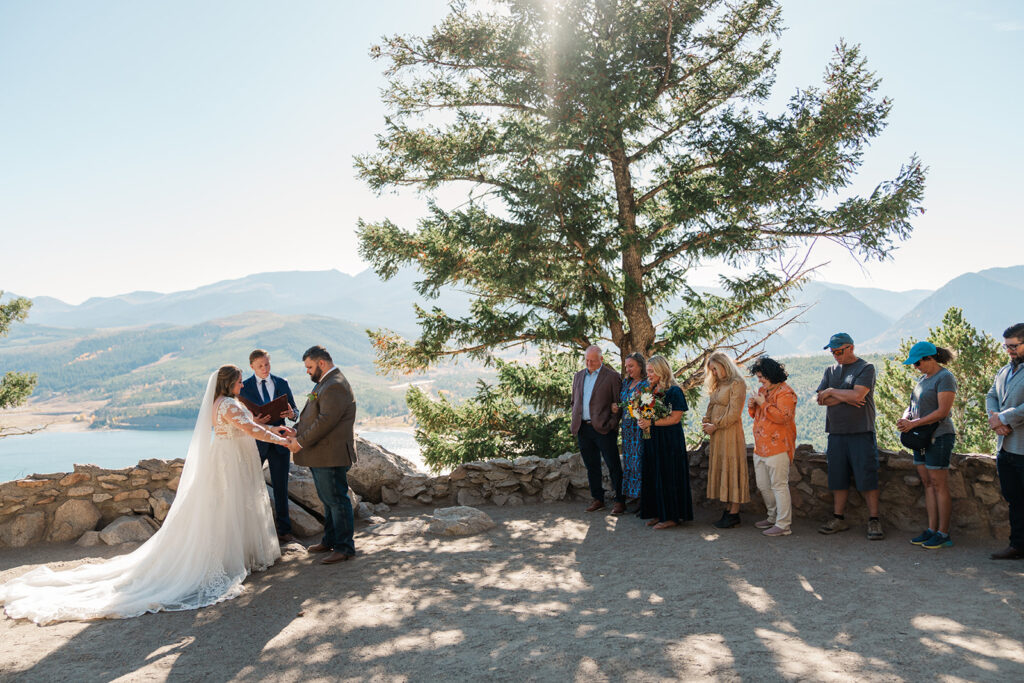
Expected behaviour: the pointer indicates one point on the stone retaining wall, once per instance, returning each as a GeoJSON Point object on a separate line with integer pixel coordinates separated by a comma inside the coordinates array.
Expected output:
{"type": "Point", "coordinates": [978, 506]}
{"type": "Point", "coordinates": [62, 507]}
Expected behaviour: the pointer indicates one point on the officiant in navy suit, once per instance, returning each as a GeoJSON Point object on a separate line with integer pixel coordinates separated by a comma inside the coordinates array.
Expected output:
{"type": "Point", "coordinates": [263, 388]}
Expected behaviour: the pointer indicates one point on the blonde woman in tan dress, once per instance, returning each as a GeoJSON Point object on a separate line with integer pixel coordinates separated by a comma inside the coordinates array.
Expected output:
{"type": "Point", "coordinates": [728, 480]}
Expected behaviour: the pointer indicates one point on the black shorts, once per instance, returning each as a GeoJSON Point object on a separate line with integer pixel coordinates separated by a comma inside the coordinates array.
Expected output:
{"type": "Point", "coordinates": [856, 454]}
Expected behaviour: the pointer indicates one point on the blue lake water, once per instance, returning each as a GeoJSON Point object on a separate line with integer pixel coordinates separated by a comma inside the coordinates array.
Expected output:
{"type": "Point", "coordinates": [45, 452]}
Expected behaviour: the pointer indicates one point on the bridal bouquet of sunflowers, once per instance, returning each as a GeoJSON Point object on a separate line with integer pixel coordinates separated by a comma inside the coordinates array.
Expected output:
{"type": "Point", "coordinates": [645, 405]}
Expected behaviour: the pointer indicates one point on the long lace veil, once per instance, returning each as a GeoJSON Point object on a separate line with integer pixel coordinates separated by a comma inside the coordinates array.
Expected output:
{"type": "Point", "coordinates": [197, 460]}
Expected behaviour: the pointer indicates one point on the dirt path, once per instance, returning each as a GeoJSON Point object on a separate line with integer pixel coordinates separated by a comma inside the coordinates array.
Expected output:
{"type": "Point", "coordinates": [554, 594]}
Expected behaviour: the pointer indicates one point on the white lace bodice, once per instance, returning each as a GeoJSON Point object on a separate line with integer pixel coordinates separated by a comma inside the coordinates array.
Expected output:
{"type": "Point", "coordinates": [233, 420]}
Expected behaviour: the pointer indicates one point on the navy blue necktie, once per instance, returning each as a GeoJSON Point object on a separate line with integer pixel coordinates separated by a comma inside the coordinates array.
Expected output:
{"type": "Point", "coordinates": [263, 388]}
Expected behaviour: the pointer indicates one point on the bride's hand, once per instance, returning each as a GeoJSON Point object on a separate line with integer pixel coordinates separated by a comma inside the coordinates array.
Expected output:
{"type": "Point", "coordinates": [293, 445]}
{"type": "Point", "coordinates": [283, 431]}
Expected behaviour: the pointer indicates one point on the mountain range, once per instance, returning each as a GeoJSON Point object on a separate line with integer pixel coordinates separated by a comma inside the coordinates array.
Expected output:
{"type": "Point", "coordinates": [876, 318]}
{"type": "Point", "coordinates": [363, 299]}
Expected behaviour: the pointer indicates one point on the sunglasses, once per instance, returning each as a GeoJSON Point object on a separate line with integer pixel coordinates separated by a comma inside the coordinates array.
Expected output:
{"type": "Point", "coordinates": [917, 362]}
{"type": "Point", "coordinates": [1011, 347]}
{"type": "Point", "coordinates": [840, 351]}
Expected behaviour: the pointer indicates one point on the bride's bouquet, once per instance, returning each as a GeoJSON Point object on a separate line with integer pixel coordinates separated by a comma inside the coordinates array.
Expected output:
{"type": "Point", "coordinates": [645, 404]}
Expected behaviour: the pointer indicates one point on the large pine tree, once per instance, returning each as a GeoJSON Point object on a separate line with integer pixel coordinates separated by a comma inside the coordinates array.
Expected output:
{"type": "Point", "coordinates": [608, 147]}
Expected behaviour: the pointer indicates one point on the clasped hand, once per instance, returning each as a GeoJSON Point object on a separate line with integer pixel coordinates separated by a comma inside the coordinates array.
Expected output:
{"type": "Point", "coordinates": [904, 425]}
{"type": "Point", "coordinates": [289, 433]}
{"type": "Point", "coordinates": [997, 425]}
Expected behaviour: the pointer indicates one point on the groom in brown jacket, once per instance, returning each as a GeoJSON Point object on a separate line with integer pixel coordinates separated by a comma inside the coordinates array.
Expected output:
{"type": "Point", "coordinates": [595, 423]}
{"type": "Point", "coordinates": [324, 442]}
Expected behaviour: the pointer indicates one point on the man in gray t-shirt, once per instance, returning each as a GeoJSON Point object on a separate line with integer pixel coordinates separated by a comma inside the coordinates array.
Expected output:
{"type": "Point", "coordinates": [847, 390]}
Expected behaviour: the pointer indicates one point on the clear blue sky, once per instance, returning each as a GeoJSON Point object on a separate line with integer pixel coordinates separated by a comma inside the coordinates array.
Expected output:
{"type": "Point", "coordinates": [161, 146]}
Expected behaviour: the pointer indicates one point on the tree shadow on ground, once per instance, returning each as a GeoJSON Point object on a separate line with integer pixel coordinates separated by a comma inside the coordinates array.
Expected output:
{"type": "Point", "coordinates": [554, 594]}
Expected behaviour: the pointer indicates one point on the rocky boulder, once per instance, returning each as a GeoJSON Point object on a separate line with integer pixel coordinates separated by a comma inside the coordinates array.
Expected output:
{"type": "Point", "coordinates": [72, 519]}
{"type": "Point", "coordinates": [126, 529]}
{"type": "Point", "coordinates": [460, 520]}
{"type": "Point", "coordinates": [160, 503]}
{"type": "Point", "coordinates": [303, 523]}
{"type": "Point", "coordinates": [376, 467]}
{"type": "Point", "coordinates": [23, 530]}
{"type": "Point", "coordinates": [89, 539]}
{"type": "Point", "coordinates": [302, 489]}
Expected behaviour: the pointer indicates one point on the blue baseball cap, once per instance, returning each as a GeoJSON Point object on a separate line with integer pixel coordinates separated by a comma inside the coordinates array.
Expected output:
{"type": "Point", "coordinates": [838, 339]}
{"type": "Point", "coordinates": [920, 350]}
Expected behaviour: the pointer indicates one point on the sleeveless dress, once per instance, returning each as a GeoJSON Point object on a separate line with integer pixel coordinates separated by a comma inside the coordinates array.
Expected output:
{"type": "Point", "coordinates": [665, 484]}
{"type": "Point", "coordinates": [632, 444]}
{"type": "Point", "coordinates": [219, 528]}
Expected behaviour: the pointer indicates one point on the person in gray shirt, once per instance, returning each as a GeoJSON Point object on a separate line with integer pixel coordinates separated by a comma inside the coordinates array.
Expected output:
{"type": "Point", "coordinates": [847, 390]}
{"type": "Point", "coordinates": [931, 403]}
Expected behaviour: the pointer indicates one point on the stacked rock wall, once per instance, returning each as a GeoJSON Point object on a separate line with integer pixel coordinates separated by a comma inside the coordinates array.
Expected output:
{"type": "Point", "coordinates": [63, 507]}
{"type": "Point", "coordinates": [978, 506]}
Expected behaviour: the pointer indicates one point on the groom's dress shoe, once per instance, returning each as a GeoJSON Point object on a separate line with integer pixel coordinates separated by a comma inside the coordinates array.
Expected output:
{"type": "Point", "coordinates": [336, 557]}
{"type": "Point", "coordinates": [318, 548]}
{"type": "Point", "coordinates": [1010, 553]}
{"type": "Point", "coordinates": [287, 538]}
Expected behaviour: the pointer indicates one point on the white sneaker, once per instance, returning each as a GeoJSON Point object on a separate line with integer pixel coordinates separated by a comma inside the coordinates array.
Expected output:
{"type": "Point", "coordinates": [776, 531]}
{"type": "Point", "coordinates": [765, 524]}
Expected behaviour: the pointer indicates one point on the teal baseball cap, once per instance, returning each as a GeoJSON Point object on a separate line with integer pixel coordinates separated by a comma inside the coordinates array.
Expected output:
{"type": "Point", "coordinates": [838, 339]}
{"type": "Point", "coordinates": [920, 350]}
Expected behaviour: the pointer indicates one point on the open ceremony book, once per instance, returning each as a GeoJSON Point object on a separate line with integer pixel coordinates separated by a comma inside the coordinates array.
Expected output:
{"type": "Point", "coordinates": [276, 408]}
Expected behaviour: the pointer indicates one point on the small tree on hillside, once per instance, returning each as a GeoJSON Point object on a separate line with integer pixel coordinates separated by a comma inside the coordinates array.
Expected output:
{"type": "Point", "coordinates": [979, 356]}
{"type": "Point", "coordinates": [15, 387]}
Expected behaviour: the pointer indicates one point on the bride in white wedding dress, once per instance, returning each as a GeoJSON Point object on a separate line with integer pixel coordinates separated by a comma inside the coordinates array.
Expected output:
{"type": "Point", "coordinates": [219, 529]}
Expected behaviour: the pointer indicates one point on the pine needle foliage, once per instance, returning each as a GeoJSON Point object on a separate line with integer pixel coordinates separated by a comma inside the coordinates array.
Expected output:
{"type": "Point", "coordinates": [608, 147]}
{"type": "Point", "coordinates": [979, 357]}
{"type": "Point", "coordinates": [15, 387]}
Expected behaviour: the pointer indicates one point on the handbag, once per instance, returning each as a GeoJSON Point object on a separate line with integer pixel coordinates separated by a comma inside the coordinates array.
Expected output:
{"type": "Point", "coordinates": [919, 438]}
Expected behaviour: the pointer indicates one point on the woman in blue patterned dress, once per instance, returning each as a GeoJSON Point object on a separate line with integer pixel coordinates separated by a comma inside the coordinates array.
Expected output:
{"type": "Point", "coordinates": [634, 369]}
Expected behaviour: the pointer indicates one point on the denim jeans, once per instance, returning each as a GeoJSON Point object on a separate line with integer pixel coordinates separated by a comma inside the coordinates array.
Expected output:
{"type": "Point", "coordinates": [339, 521]}
{"type": "Point", "coordinates": [1011, 481]}
{"type": "Point", "coordinates": [593, 447]}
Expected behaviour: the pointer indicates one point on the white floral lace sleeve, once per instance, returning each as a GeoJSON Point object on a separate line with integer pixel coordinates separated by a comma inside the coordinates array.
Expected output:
{"type": "Point", "coordinates": [239, 417]}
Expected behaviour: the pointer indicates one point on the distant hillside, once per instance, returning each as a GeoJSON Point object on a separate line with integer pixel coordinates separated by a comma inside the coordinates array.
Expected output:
{"type": "Point", "coordinates": [890, 304]}
{"type": "Point", "coordinates": [155, 376]}
{"type": "Point", "coordinates": [363, 299]}
{"type": "Point", "coordinates": [877, 318]}
{"type": "Point", "coordinates": [986, 298]}
{"type": "Point", "coordinates": [829, 310]}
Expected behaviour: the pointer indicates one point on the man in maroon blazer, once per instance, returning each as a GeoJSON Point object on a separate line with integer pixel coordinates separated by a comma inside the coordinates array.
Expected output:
{"type": "Point", "coordinates": [595, 423]}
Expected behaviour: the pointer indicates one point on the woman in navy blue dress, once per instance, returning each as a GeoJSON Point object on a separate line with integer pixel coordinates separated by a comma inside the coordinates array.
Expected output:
{"type": "Point", "coordinates": [635, 370]}
{"type": "Point", "coordinates": [665, 498]}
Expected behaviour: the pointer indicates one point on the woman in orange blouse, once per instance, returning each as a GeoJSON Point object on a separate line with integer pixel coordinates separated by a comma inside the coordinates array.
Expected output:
{"type": "Point", "coordinates": [773, 408]}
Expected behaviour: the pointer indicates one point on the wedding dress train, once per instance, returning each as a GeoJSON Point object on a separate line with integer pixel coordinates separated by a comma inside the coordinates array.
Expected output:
{"type": "Point", "coordinates": [219, 529]}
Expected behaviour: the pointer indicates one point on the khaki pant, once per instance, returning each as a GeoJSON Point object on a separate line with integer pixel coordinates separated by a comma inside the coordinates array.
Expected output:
{"type": "Point", "coordinates": [772, 476]}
